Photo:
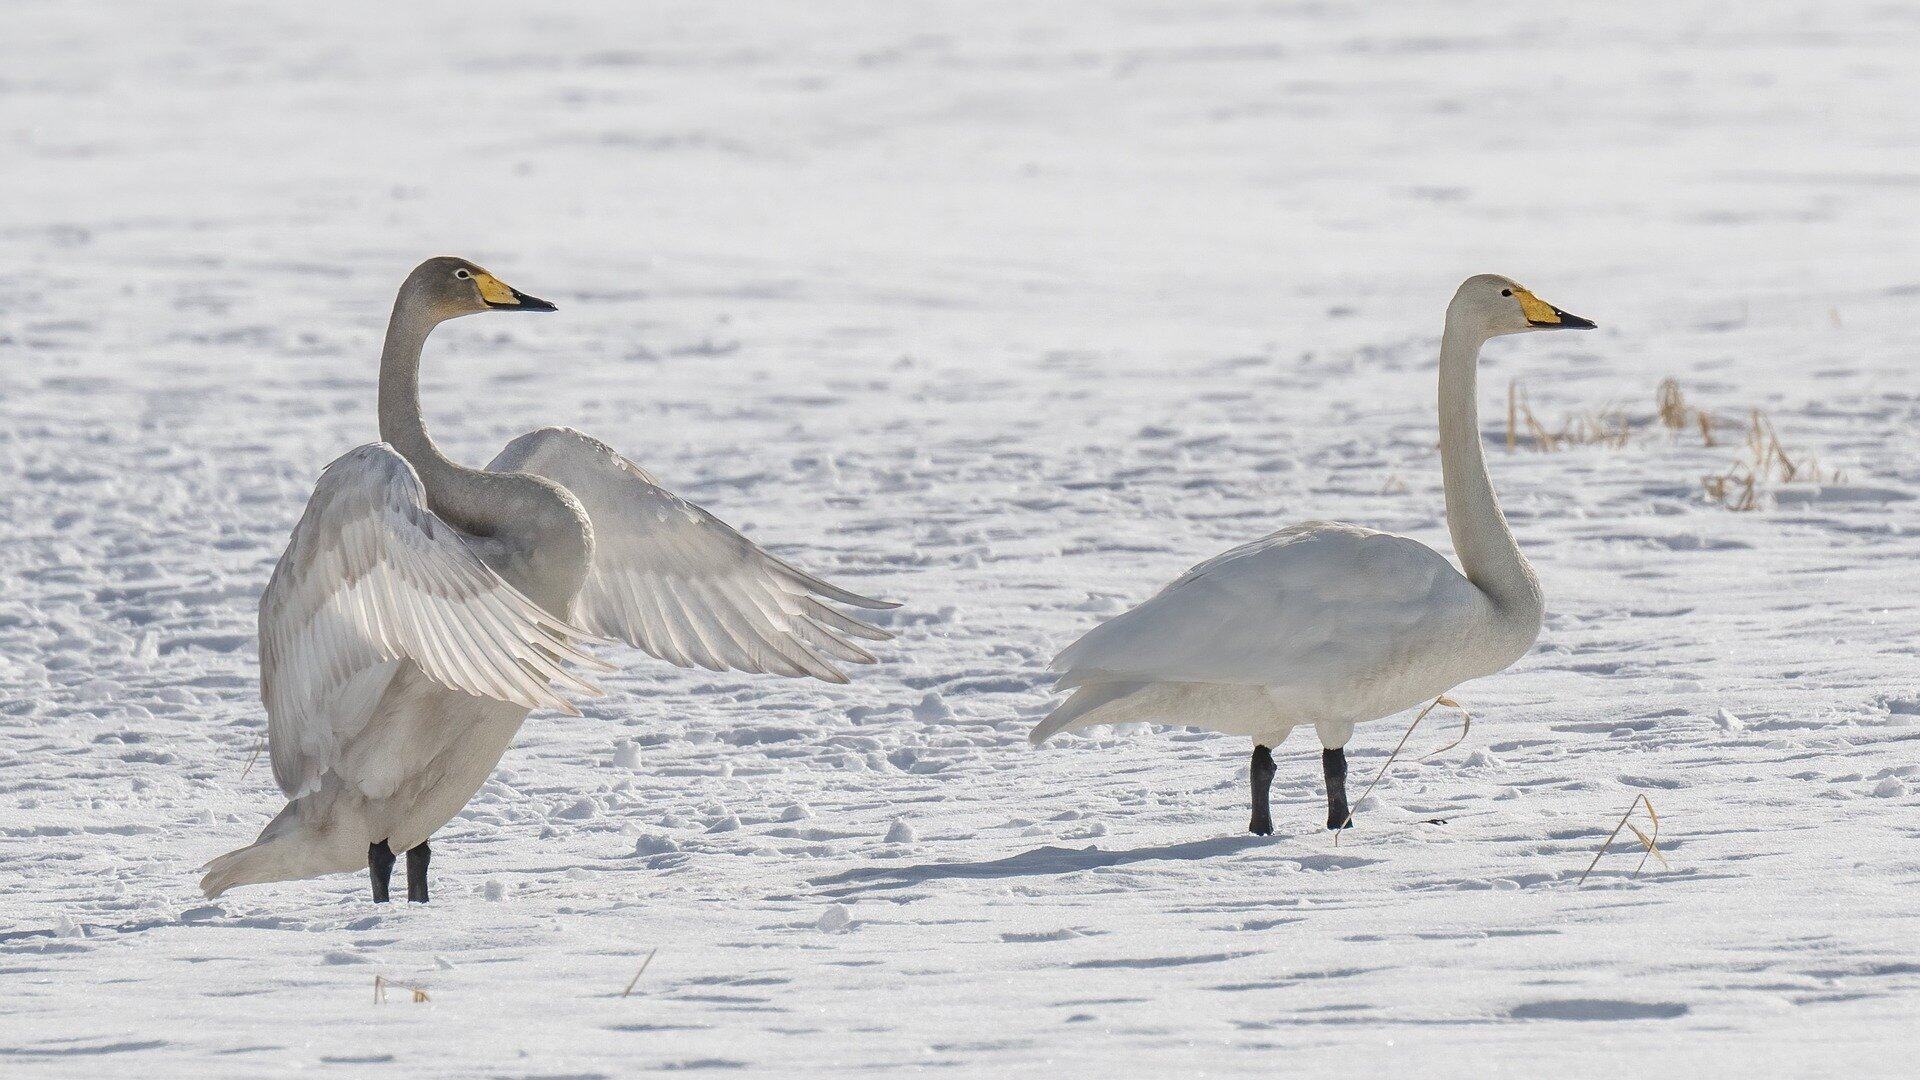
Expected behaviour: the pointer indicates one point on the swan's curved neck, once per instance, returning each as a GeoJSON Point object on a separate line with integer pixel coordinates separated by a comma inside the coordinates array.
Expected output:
{"type": "Point", "coordinates": [454, 491]}
{"type": "Point", "coordinates": [1481, 538]}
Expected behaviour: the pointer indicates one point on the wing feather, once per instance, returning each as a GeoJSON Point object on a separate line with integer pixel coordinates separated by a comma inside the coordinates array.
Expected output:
{"type": "Point", "coordinates": [1314, 606]}
{"type": "Point", "coordinates": [371, 578]}
{"type": "Point", "coordinates": [674, 580]}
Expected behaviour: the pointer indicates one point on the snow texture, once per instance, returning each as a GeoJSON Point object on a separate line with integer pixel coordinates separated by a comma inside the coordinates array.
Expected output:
{"type": "Point", "coordinates": [1013, 312]}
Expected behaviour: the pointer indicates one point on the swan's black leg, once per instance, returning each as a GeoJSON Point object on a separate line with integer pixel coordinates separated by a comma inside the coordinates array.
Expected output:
{"type": "Point", "coordinates": [380, 866]}
{"type": "Point", "coordinates": [417, 858]}
{"type": "Point", "coordinates": [1261, 773]}
{"type": "Point", "coordinates": [1334, 763]}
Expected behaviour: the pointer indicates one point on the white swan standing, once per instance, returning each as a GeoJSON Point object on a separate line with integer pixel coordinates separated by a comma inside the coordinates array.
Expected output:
{"type": "Point", "coordinates": [423, 608]}
{"type": "Point", "coordinates": [1326, 623]}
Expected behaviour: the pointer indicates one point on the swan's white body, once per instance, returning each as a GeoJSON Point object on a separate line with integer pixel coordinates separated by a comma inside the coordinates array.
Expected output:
{"type": "Point", "coordinates": [1324, 623]}
{"type": "Point", "coordinates": [422, 610]}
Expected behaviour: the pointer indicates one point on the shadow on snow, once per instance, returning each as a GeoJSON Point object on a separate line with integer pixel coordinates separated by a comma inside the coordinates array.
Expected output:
{"type": "Point", "coordinates": [1040, 862]}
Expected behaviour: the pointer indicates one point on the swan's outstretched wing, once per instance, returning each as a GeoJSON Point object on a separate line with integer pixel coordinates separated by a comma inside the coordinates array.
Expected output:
{"type": "Point", "coordinates": [370, 579]}
{"type": "Point", "coordinates": [672, 579]}
{"type": "Point", "coordinates": [1306, 610]}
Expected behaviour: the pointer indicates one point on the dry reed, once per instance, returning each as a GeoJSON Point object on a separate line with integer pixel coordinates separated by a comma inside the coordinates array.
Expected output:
{"type": "Point", "coordinates": [1677, 416]}
{"type": "Point", "coordinates": [380, 984]}
{"type": "Point", "coordinates": [1765, 464]}
{"type": "Point", "coordinates": [1606, 426]}
{"type": "Point", "coordinates": [1650, 843]}
{"type": "Point", "coordinates": [1743, 485]}
{"type": "Point", "coordinates": [635, 981]}
{"type": "Point", "coordinates": [1408, 734]}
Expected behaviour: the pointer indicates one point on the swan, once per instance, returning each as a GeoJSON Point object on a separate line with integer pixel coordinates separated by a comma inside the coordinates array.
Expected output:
{"type": "Point", "coordinates": [1327, 623]}
{"type": "Point", "coordinates": [422, 609]}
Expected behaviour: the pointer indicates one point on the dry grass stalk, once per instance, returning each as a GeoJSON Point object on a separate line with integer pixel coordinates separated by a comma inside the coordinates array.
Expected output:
{"type": "Point", "coordinates": [380, 984]}
{"type": "Point", "coordinates": [1603, 427]}
{"type": "Point", "coordinates": [1677, 416]}
{"type": "Point", "coordinates": [1742, 486]}
{"type": "Point", "coordinates": [1513, 393]}
{"type": "Point", "coordinates": [1408, 734]}
{"type": "Point", "coordinates": [1650, 843]}
{"type": "Point", "coordinates": [1732, 492]}
{"type": "Point", "coordinates": [1466, 725]}
{"type": "Point", "coordinates": [635, 981]}
{"type": "Point", "coordinates": [1674, 413]}
{"type": "Point", "coordinates": [1766, 463]}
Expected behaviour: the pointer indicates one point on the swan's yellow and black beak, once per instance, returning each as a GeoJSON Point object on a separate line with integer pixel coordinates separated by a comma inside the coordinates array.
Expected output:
{"type": "Point", "coordinates": [504, 297]}
{"type": "Point", "coordinates": [1545, 316]}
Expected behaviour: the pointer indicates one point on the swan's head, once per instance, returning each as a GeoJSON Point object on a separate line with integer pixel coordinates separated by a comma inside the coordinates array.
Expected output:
{"type": "Point", "coordinates": [447, 287]}
{"type": "Point", "coordinates": [1496, 305]}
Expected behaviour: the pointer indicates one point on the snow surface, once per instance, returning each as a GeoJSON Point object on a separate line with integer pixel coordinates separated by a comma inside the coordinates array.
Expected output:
{"type": "Point", "coordinates": [1012, 311]}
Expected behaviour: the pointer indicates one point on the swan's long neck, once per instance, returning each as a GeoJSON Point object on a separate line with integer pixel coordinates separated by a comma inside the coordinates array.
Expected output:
{"type": "Point", "coordinates": [540, 522]}
{"type": "Point", "coordinates": [1481, 538]}
{"type": "Point", "coordinates": [455, 492]}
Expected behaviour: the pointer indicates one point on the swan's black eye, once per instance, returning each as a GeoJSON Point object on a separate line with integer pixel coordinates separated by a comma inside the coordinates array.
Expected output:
{"type": "Point", "coordinates": [462, 274]}
{"type": "Point", "coordinates": [1506, 292]}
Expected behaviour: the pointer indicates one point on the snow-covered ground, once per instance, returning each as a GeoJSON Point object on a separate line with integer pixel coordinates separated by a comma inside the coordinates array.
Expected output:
{"type": "Point", "coordinates": [1011, 311]}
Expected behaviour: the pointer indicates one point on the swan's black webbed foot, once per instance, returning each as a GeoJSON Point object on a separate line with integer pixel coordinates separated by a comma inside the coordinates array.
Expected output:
{"type": "Point", "coordinates": [380, 868]}
{"type": "Point", "coordinates": [1260, 772]}
{"type": "Point", "coordinates": [1334, 764]}
{"type": "Point", "coordinates": [417, 858]}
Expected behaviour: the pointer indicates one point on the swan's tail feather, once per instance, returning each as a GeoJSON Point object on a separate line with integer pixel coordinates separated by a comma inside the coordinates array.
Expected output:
{"type": "Point", "coordinates": [285, 851]}
{"type": "Point", "coordinates": [1080, 710]}
{"type": "Point", "coordinates": [269, 860]}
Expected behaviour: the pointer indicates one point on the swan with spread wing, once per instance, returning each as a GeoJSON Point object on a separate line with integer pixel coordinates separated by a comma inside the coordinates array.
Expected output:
{"type": "Point", "coordinates": [422, 609]}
